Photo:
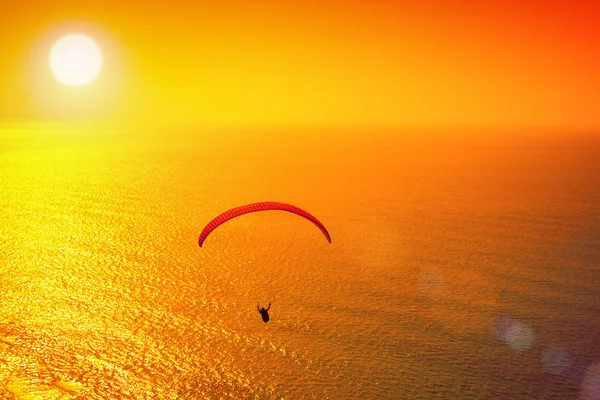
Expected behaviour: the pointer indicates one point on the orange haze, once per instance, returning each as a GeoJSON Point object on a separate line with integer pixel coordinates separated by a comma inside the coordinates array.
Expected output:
{"type": "Point", "coordinates": [355, 62]}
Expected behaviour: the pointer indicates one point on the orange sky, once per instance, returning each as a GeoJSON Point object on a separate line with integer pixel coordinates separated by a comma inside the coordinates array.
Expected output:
{"type": "Point", "coordinates": [354, 62]}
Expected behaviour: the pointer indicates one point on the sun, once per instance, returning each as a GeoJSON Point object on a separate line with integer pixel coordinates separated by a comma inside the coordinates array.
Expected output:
{"type": "Point", "coordinates": [75, 60]}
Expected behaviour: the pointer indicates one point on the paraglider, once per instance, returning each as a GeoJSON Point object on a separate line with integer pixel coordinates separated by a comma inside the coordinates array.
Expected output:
{"type": "Point", "coordinates": [254, 207]}
{"type": "Point", "coordinates": [264, 312]}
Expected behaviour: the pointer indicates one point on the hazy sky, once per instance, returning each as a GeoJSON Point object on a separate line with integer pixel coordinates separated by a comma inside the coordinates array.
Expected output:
{"type": "Point", "coordinates": [393, 62]}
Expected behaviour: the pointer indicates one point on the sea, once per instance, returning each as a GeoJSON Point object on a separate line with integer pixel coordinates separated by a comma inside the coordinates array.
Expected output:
{"type": "Point", "coordinates": [461, 266]}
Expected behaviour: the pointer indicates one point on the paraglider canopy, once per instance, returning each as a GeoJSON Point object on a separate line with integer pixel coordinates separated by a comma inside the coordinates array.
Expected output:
{"type": "Point", "coordinates": [254, 207]}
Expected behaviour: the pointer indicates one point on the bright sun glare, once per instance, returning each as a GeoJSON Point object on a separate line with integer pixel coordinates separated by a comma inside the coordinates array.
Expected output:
{"type": "Point", "coordinates": [75, 60]}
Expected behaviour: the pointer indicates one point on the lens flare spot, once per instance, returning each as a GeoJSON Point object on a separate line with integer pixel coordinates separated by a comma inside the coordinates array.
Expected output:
{"type": "Point", "coordinates": [515, 334]}
{"type": "Point", "coordinates": [590, 386]}
{"type": "Point", "coordinates": [556, 360]}
{"type": "Point", "coordinates": [430, 281]}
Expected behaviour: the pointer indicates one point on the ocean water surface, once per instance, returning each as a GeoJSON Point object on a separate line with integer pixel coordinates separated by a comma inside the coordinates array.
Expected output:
{"type": "Point", "coordinates": [457, 269]}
